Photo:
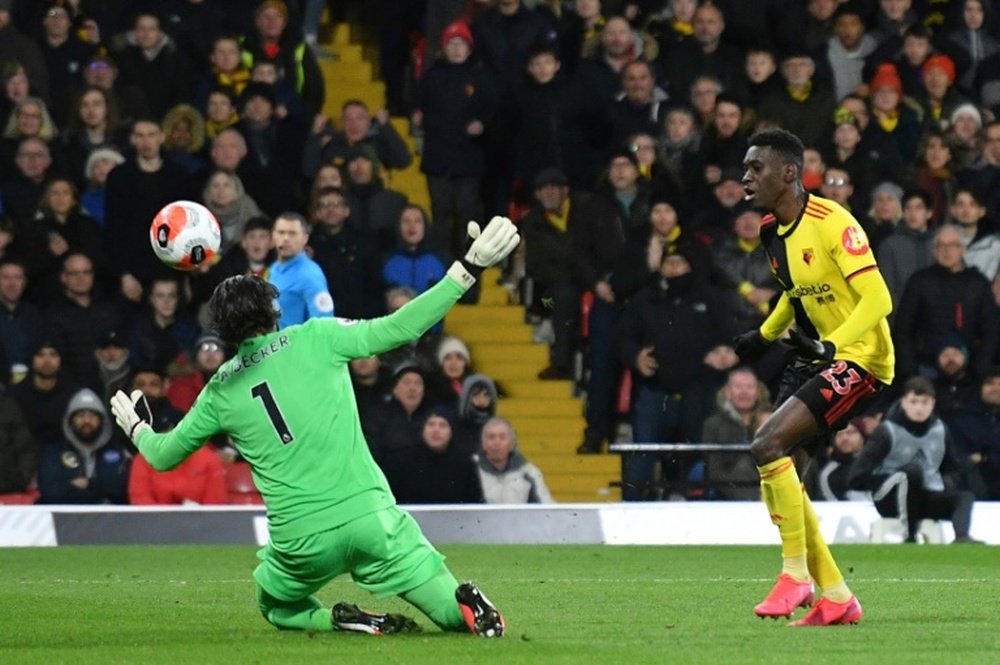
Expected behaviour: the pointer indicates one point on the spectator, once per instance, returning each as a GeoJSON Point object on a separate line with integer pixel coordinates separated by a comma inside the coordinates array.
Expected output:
{"type": "Point", "coordinates": [287, 104]}
{"type": "Point", "coordinates": [18, 450]}
{"type": "Point", "coordinates": [896, 122]}
{"type": "Point", "coordinates": [16, 46]}
{"type": "Point", "coordinates": [62, 226]}
{"type": "Point", "coordinates": [99, 164]}
{"type": "Point", "coordinates": [548, 263]}
{"type": "Point", "coordinates": [232, 206]}
{"type": "Point", "coordinates": [945, 299]}
{"type": "Point", "coordinates": [272, 143]}
{"type": "Point", "coordinates": [229, 153]}
{"type": "Point", "coordinates": [65, 55]}
{"type": "Point", "coordinates": [985, 174]}
{"type": "Point", "coordinates": [707, 53]}
{"type": "Point", "coordinates": [251, 256]}
{"type": "Point", "coordinates": [184, 137]}
{"type": "Point", "coordinates": [713, 222]}
{"type": "Point", "coordinates": [504, 474]}
{"type": "Point", "coordinates": [126, 231]}
{"type": "Point", "coordinates": [973, 37]}
{"type": "Point", "coordinates": [455, 102]}
{"type": "Point", "coordinates": [982, 241]}
{"type": "Point", "coordinates": [149, 60]}
{"type": "Point", "coordinates": [21, 321]}
{"type": "Point", "coordinates": [86, 464]}
{"type": "Point", "coordinates": [415, 262]}
{"type": "Point", "coordinates": [220, 112]}
{"type": "Point", "coordinates": [964, 129]}
{"type": "Point", "coordinates": [909, 465]}
{"type": "Point", "coordinates": [273, 41]}
{"type": "Point", "coordinates": [543, 122]}
{"type": "Point", "coordinates": [397, 422]}
{"type": "Point", "coordinates": [666, 335]}
{"type": "Point", "coordinates": [939, 98]}
{"type": "Point", "coordinates": [23, 190]}
{"type": "Point", "coordinates": [705, 90]}
{"type": "Point", "coordinates": [358, 127]}
{"type": "Point", "coordinates": [102, 72]}
{"type": "Point", "coordinates": [375, 209]}
{"type": "Point", "coordinates": [803, 105]}
{"type": "Point", "coordinates": [744, 268]}
{"type": "Point", "coordinates": [884, 213]}
{"type": "Point", "coordinates": [908, 248]}
{"type": "Point", "coordinates": [935, 172]}
{"type": "Point", "coordinates": [30, 117]}
{"type": "Point", "coordinates": [433, 470]}
{"type": "Point", "coordinates": [93, 124]}
{"type": "Point", "coordinates": [477, 403]}
{"type": "Point", "coordinates": [368, 382]}
{"type": "Point", "coordinates": [742, 405]}
{"type": "Point", "coordinates": [847, 49]}
{"type": "Point", "coordinates": [45, 392]}
{"type": "Point", "coordinates": [113, 368]}
{"type": "Point", "coordinates": [454, 362]}
{"type": "Point", "coordinates": [976, 430]}
{"type": "Point", "coordinates": [837, 186]}
{"type": "Point", "coordinates": [198, 480]}
{"type": "Point", "coordinates": [164, 329]}
{"type": "Point", "coordinates": [760, 79]}
{"type": "Point", "coordinates": [954, 385]}
{"type": "Point", "coordinates": [725, 139]}
{"type": "Point", "coordinates": [348, 259]}
{"type": "Point", "coordinates": [643, 107]}
{"type": "Point", "coordinates": [209, 353]}
{"type": "Point", "coordinates": [82, 317]}
{"type": "Point", "coordinates": [228, 71]}
{"type": "Point", "coordinates": [833, 482]}
{"type": "Point", "coordinates": [680, 152]}
{"type": "Point", "coordinates": [302, 289]}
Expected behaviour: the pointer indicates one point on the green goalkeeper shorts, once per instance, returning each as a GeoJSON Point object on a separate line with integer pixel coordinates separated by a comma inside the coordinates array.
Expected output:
{"type": "Point", "coordinates": [385, 552]}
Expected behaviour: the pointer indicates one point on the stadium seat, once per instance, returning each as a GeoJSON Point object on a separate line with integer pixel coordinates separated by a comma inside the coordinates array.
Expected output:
{"type": "Point", "coordinates": [891, 530]}
{"type": "Point", "coordinates": [19, 498]}
{"type": "Point", "coordinates": [239, 485]}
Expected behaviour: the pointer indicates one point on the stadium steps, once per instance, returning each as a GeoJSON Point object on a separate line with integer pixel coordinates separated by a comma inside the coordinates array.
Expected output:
{"type": "Point", "coordinates": [548, 418]}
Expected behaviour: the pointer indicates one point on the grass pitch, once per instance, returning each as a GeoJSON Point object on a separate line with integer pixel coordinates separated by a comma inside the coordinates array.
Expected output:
{"type": "Point", "coordinates": [563, 604]}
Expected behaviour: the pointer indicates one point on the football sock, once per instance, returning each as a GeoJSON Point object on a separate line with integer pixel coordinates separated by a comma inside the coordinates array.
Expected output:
{"type": "Point", "coordinates": [821, 564]}
{"type": "Point", "coordinates": [436, 599]}
{"type": "Point", "coordinates": [782, 494]}
{"type": "Point", "coordinates": [305, 614]}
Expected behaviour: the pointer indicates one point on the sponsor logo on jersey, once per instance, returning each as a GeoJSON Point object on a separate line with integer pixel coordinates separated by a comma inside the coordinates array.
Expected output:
{"type": "Point", "coordinates": [854, 241]}
{"type": "Point", "coordinates": [807, 290]}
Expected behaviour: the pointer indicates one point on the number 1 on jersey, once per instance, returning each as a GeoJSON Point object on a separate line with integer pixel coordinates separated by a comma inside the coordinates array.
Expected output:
{"type": "Point", "coordinates": [263, 392]}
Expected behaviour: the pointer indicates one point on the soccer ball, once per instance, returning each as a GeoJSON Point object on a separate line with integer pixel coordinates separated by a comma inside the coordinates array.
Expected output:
{"type": "Point", "coordinates": [185, 235]}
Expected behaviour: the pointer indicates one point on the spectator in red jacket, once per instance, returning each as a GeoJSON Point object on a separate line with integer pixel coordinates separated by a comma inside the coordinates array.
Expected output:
{"type": "Point", "coordinates": [209, 353]}
{"type": "Point", "coordinates": [199, 479]}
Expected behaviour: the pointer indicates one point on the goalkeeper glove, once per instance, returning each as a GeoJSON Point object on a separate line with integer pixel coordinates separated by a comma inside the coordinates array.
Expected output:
{"type": "Point", "coordinates": [491, 245]}
{"type": "Point", "coordinates": [808, 348]}
{"type": "Point", "coordinates": [126, 410]}
{"type": "Point", "coordinates": [750, 346]}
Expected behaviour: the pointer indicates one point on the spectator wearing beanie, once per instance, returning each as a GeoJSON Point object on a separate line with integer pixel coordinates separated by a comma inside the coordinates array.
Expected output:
{"type": "Point", "coordinates": [375, 209]}
{"type": "Point", "coordinates": [940, 95]}
{"type": "Point", "coordinates": [454, 363]}
{"type": "Point", "coordinates": [477, 403]}
{"type": "Point", "coordinates": [893, 118]}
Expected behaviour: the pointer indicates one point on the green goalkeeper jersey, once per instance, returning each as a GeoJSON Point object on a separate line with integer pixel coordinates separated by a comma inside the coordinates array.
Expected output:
{"type": "Point", "coordinates": [286, 401]}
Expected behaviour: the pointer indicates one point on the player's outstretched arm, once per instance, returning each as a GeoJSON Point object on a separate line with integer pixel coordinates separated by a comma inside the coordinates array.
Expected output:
{"type": "Point", "coordinates": [163, 451]}
{"type": "Point", "coordinates": [366, 338]}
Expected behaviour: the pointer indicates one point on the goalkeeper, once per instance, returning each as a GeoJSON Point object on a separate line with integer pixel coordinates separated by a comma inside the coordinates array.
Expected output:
{"type": "Point", "coordinates": [286, 401]}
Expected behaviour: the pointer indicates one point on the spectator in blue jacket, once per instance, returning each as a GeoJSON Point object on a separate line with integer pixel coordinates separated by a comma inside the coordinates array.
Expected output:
{"type": "Point", "coordinates": [414, 263]}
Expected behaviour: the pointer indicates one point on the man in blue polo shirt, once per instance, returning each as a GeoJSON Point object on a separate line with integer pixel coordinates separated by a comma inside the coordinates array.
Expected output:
{"type": "Point", "coordinates": [302, 289]}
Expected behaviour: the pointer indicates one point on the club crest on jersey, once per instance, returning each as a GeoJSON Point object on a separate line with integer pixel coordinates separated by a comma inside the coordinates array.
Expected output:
{"type": "Point", "coordinates": [807, 256]}
{"type": "Point", "coordinates": [854, 241]}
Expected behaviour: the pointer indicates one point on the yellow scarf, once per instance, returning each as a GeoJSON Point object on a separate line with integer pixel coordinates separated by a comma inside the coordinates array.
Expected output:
{"type": "Point", "coordinates": [800, 95]}
{"type": "Point", "coordinates": [237, 80]}
{"type": "Point", "coordinates": [890, 121]}
{"type": "Point", "coordinates": [559, 218]}
{"type": "Point", "coordinates": [682, 27]}
{"type": "Point", "coordinates": [748, 245]}
{"type": "Point", "coordinates": [213, 128]}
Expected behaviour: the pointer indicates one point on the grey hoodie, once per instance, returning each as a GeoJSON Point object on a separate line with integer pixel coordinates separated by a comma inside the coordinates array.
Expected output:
{"type": "Point", "coordinates": [465, 408]}
{"type": "Point", "coordinates": [87, 399]}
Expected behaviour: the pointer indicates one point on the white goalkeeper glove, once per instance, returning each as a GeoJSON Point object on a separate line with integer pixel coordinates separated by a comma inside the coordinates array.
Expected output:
{"type": "Point", "coordinates": [126, 412]}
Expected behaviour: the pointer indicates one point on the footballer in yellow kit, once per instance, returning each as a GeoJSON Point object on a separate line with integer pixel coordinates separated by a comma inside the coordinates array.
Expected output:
{"type": "Point", "coordinates": [834, 306]}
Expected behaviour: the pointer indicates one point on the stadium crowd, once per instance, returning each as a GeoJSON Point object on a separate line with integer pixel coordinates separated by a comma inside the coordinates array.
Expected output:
{"type": "Point", "coordinates": [612, 132]}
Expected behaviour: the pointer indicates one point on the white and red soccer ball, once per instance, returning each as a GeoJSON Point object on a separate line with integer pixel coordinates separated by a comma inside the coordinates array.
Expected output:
{"type": "Point", "coordinates": [185, 235]}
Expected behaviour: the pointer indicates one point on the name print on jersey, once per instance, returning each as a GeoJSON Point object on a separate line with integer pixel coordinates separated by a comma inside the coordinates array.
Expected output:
{"type": "Point", "coordinates": [247, 360]}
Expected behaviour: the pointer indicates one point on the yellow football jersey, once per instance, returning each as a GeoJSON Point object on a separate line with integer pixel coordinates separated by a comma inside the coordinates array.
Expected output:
{"type": "Point", "coordinates": [814, 259]}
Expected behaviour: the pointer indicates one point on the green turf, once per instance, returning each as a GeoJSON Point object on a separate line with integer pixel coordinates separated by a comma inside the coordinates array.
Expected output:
{"type": "Point", "coordinates": [564, 604]}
